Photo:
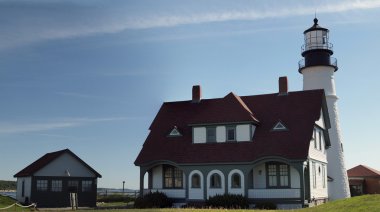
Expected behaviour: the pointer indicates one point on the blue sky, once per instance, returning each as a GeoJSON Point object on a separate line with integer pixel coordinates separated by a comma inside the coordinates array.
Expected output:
{"type": "Point", "coordinates": [91, 75]}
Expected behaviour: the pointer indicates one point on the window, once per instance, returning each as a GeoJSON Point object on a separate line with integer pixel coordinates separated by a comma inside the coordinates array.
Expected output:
{"type": "Point", "coordinates": [211, 134]}
{"type": "Point", "coordinates": [56, 185]}
{"type": "Point", "coordinates": [215, 181]}
{"type": "Point", "coordinates": [86, 185]}
{"type": "Point", "coordinates": [73, 186]}
{"type": "Point", "coordinates": [320, 140]}
{"type": "Point", "coordinates": [235, 181]}
{"type": "Point", "coordinates": [315, 137]}
{"type": "Point", "coordinates": [324, 176]}
{"type": "Point", "coordinates": [172, 177]}
{"type": "Point", "coordinates": [23, 189]}
{"type": "Point", "coordinates": [278, 175]}
{"type": "Point", "coordinates": [42, 185]}
{"type": "Point", "coordinates": [175, 132]}
{"type": "Point", "coordinates": [195, 181]}
{"type": "Point", "coordinates": [314, 175]}
{"type": "Point", "coordinates": [279, 127]}
{"type": "Point", "coordinates": [231, 133]}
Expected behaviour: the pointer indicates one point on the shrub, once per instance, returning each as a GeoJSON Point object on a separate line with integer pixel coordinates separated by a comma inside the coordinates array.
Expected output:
{"type": "Point", "coordinates": [230, 201]}
{"type": "Point", "coordinates": [153, 200]}
{"type": "Point", "coordinates": [266, 205]}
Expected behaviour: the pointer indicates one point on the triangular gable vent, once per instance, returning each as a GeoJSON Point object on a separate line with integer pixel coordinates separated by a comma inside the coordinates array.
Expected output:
{"type": "Point", "coordinates": [279, 126]}
{"type": "Point", "coordinates": [175, 132]}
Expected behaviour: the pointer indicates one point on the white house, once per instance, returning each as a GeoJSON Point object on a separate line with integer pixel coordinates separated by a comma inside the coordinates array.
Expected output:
{"type": "Point", "coordinates": [49, 181]}
{"type": "Point", "coordinates": [273, 147]}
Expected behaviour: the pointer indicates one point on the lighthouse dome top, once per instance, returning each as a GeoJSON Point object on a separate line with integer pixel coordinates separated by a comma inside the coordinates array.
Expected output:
{"type": "Point", "coordinates": [315, 27]}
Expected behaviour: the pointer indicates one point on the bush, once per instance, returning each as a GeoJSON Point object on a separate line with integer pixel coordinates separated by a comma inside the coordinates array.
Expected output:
{"type": "Point", "coordinates": [230, 201]}
{"type": "Point", "coordinates": [266, 205]}
{"type": "Point", "coordinates": [153, 200]}
{"type": "Point", "coordinates": [115, 198]}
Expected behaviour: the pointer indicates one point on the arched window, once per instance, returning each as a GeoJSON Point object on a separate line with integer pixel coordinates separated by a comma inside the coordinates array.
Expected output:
{"type": "Point", "coordinates": [235, 181]}
{"type": "Point", "coordinates": [215, 181]}
{"type": "Point", "coordinates": [195, 181]}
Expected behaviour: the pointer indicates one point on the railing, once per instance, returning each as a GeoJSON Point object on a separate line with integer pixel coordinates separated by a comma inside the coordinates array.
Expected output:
{"type": "Point", "coordinates": [311, 46]}
{"type": "Point", "coordinates": [333, 62]}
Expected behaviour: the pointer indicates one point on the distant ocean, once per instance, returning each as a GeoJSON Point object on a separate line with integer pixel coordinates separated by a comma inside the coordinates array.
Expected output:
{"type": "Point", "coordinates": [9, 194]}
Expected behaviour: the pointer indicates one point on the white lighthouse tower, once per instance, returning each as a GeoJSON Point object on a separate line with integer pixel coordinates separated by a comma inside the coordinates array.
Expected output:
{"type": "Point", "coordinates": [318, 69]}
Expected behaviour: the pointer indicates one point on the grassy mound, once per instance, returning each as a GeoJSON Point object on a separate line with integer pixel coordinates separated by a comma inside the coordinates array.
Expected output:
{"type": "Point", "coordinates": [359, 203]}
{"type": "Point", "coordinates": [6, 201]}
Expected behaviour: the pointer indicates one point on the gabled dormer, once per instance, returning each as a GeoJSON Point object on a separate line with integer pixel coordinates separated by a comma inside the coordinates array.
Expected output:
{"type": "Point", "coordinates": [228, 120]}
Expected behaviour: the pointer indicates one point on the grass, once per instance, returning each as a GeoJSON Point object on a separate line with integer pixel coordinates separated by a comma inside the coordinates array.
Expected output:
{"type": "Point", "coordinates": [365, 203]}
{"type": "Point", "coordinates": [7, 201]}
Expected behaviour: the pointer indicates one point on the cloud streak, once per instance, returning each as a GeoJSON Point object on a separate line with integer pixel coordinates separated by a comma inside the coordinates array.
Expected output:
{"type": "Point", "coordinates": [9, 128]}
{"type": "Point", "coordinates": [34, 23]}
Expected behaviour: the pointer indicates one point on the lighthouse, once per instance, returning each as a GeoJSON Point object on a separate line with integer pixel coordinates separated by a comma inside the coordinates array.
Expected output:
{"type": "Point", "coordinates": [318, 68]}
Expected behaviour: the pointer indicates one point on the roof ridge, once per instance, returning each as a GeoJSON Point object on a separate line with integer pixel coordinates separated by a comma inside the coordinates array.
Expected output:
{"type": "Point", "coordinates": [242, 103]}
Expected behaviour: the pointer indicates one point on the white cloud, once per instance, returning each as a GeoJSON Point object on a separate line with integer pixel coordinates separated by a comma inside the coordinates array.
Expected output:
{"type": "Point", "coordinates": [13, 128]}
{"type": "Point", "coordinates": [29, 24]}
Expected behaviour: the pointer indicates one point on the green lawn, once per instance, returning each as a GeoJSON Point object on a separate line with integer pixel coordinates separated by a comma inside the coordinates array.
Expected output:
{"type": "Point", "coordinates": [6, 201]}
{"type": "Point", "coordinates": [365, 203]}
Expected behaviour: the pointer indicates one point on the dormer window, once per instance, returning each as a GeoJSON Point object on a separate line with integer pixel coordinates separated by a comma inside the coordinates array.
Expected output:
{"type": "Point", "coordinates": [231, 133]}
{"type": "Point", "coordinates": [175, 132]}
{"type": "Point", "coordinates": [279, 127]}
{"type": "Point", "coordinates": [210, 134]}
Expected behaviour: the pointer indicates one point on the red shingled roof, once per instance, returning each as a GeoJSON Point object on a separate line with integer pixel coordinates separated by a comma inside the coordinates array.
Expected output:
{"type": "Point", "coordinates": [363, 171]}
{"type": "Point", "coordinates": [48, 158]}
{"type": "Point", "coordinates": [297, 110]}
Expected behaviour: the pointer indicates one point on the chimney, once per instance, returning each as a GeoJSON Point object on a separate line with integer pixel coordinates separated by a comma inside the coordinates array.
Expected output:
{"type": "Point", "coordinates": [196, 94]}
{"type": "Point", "coordinates": [283, 86]}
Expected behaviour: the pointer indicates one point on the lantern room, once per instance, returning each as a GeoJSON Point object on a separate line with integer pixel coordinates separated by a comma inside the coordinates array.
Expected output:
{"type": "Point", "coordinates": [316, 49]}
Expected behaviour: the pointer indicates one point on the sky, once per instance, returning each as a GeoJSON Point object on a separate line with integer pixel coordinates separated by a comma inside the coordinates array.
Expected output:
{"type": "Point", "coordinates": [91, 75]}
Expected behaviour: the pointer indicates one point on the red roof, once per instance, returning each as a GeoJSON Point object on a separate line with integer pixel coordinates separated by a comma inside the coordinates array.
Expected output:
{"type": "Point", "coordinates": [46, 159]}
{"type": "Point", "coordinates": [298, 111]}
{"type": "Point", "coordinates": [363, 171]}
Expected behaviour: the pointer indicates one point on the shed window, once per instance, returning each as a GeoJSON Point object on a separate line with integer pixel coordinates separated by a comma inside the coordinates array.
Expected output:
{"type": "Point", "coordinates": [56, 185]}
{"type": "Point", "coordinates": [42, 185]}
{"type": "Point", "coordinates": [86, 185]}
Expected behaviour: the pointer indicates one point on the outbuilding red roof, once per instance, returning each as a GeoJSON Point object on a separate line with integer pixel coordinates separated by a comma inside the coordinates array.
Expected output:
{"type": "Point", "coordinates": [46, 159]}
{"type": "Point", "coordinates": [363, 171]}
{"type": "Point", "coordinates": [298, 111]}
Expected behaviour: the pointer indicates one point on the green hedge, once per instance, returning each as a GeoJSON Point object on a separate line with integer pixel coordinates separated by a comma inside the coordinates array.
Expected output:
{"type": "Point", "coordinates": [230, 201]}
{"type": "Point", "coordinates": [153, 200]}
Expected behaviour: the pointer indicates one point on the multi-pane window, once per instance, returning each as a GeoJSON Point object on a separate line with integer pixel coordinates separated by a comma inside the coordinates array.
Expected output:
{"type": "Point", "coordinates": [215, 181]}
{"type": "Point", "coordinates": [236, 181]}
{"type": "Point", "coordinates": [272, 175]}
{"type": "Point", "coordinates": [211, 134]}
{"type": "Point", "coordinates": [86, 185]}
{"type": "Point", "coordinates": [42, 185]}
{"type": "Point", "coordinates": [284, 175]}
{"type": "Point", "coordinates": [172, 177]}
{"type": "Point", "coordinates": [56, 185]}
{"type": "Point", "coordinates": [195, 181]}
{"type": "Point", "coordinates": [314, 175]}
{"type": "Point", "coordinates": [278, 175]}
{"type": "Point", "coordinates": [231, 133]}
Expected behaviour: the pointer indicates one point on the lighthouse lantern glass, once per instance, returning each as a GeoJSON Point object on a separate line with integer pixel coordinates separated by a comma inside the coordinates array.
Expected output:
{"type": "Point", "coordinates": [316, 39]}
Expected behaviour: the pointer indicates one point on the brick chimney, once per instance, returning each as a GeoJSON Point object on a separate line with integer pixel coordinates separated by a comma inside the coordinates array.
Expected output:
{"type": "Point", "coordinates": [282, 86]}
{"type": "Point", "coordinates": [197, 94]}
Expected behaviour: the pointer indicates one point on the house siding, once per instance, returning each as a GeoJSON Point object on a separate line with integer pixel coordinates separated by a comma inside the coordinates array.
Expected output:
{"type": "Point", "coordinates": [61, 199]}
{"type": "Point", "coordinates": [319, 192]}
{"type": "Point", "coordinates": [27, 189]}
{"type": "Point", "coordinates": [244, 132]}
{"type": "Point", "coordinates": [65, 162]}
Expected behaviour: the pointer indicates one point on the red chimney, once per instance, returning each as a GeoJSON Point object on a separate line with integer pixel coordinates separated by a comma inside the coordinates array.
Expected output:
{"type": "Point", "coordinates": [283, 86]}
{"type": "Point", "coordinates": [197, 95]}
